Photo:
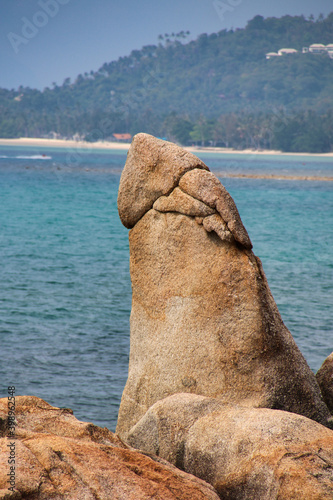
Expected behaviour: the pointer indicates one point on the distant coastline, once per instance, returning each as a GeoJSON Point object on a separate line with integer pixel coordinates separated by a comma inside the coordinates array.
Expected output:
{"type": "Point", "coordinates": [64, 143]}
{"type": "Point", "coordinates": [84, 145]}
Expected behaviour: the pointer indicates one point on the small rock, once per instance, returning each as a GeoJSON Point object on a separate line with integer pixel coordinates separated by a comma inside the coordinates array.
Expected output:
{"type": "Point", "coordinates": [206, 187]}
{"type": "Point", "coordinates": [324, 378]}
{"type": "Point", "coordinates": [216, 223]}
{"type": "Point", "coordinates": [180, 202]}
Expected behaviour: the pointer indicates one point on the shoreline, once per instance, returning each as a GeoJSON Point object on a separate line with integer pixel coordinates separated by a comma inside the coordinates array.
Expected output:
{"type": "Point", "coordinates": [275, 177]}
{"type": "Point", "coordinates": [63, 143]}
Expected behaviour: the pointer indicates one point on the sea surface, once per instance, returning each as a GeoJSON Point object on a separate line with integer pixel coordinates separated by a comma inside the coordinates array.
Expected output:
{"type": "Point", "coordinates": [65, 291]}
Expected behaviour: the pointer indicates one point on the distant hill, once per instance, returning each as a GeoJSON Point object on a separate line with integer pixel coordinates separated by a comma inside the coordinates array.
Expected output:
{"type": "Point", "coordinates": [189, 91]}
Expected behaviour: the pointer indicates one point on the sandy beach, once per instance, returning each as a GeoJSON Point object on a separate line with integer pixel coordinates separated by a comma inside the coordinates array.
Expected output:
{"type": "Point", "coordinates": [89, 146]}
{"type": "Point", "coordinates": [62, 143]}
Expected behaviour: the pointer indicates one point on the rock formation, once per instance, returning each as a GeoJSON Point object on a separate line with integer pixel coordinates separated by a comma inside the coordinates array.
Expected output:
{"type": "Point", "coordinates": [243, 452]}
{"type": "Point", "coordinates": [324, 378]}
{"type": "Point", "coordinates": [203, 319]}
{"type": "Point", "coordinates": [59, 457]}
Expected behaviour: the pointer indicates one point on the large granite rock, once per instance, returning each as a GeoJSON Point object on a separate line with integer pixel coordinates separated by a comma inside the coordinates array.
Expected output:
{"type": "Point", "coordinates": [245, 453]}
{"type": "Point", "coordinates": [203, 318]}
{"type": "Point", "coordinates": [324, 378]}
{"type": "Point", "coordinates": [58, 457]}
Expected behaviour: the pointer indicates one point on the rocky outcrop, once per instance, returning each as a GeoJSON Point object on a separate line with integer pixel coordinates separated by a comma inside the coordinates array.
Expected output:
{"type": "Point", "coordinates": [203, 319]}
{"type": "Point", "coordinates": [324, 378]}
{"type": "Point", "coordinates": [58, 457]}
{"type": "Point", "coordinates": [245, 453]}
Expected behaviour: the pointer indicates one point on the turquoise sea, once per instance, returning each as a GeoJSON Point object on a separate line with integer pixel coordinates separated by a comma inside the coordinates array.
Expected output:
{"type": "Point", "coordinates": [65, 293]}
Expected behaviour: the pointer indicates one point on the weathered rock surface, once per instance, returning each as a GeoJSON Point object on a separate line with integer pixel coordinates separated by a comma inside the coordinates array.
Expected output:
{"type": "Point", "coordinates": [153, 169]}
{"type": "Point", "coordinates": [207, 188]}
{"type": "Point", "coordinates": [58, 457]}
{"type": "Point", "coordinates": [163, 430]}
{"type": "Point", "coordinates": [178, 201]}
{"type": "Point", "coordinates": [324, 378]}
{"type": "Point", "coordinates": [216, 223]}
{"type": "Point", "coordinates": [203, 318]}
{"type": "Point", "coordinates": [245, 453]}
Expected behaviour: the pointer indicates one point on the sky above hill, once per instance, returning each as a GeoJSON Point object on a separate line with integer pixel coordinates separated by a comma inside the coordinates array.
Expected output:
{"type": "Point", "coordinates": [46, 41]}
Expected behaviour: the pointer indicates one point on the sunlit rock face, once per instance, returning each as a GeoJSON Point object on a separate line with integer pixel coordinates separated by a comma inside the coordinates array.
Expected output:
{"type": "Point", "coordinates": [203, 319]}
{"type": "Point", "coordinates": [58, 457]}
{"type": "Point", "coordinates": [244, 453]}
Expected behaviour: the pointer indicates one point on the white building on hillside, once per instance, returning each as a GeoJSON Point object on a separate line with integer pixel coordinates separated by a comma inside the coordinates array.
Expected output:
{"type": "Point", "coordinates": [317, 48]}
{"type": "Point", "coordinates": [271, 54]}
{"type": "Point", "coordinates": [281, 52]}
{"type": "Point", "coordinates": [329, 49]}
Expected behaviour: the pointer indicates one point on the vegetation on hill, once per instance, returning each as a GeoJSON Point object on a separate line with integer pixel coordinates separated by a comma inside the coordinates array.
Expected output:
{"type": "Point", "coordinates": [219, 89]}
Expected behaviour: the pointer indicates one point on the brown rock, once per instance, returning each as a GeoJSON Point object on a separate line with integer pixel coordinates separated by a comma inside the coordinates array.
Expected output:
{"type": "Point", "coordinates": [216, 223]}
{"type": "Point", "coordinates": [163, 430]}
{"type": "Point", "coordinates": [153, 168]}
{"type": "Point", "coordinates": [180, 202]}
{"type": "Point", "coordinates": [207, 188]}
{"type": "Point", "coordinates": [324, 378]}
{"type": "Point", "coordinates": [262, 453]}
{"type": "Point", "coordinates": [58, 457]}
{"type": "Point", "coordinates": [203, 319]}
{"type": "Point", "coordinates": [245, 453]}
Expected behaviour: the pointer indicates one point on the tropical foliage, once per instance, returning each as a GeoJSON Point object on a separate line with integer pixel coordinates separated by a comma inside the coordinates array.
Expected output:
{"type": "Point", "coordinates": [219, 89]}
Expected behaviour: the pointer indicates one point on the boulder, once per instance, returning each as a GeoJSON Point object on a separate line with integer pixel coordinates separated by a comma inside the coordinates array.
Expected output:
{"type": "Point", "coordinates": [163, 430]}
{"type": "Point", "coordinates": [203, 319]}
{"type": "Point", "coordinates": [58, 457]}
{"type": "Point", "coordinates": [324, 378]}
{"type": "Point", "coordinates": [245, 453]}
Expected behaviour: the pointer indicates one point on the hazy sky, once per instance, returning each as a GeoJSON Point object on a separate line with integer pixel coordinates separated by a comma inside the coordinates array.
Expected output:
{"type": "Point", "coordinates": [45, 41]}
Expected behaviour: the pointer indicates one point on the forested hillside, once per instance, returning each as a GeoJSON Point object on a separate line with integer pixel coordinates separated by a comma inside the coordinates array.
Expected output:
{"type": "Point", "coordinates": [219, 89]}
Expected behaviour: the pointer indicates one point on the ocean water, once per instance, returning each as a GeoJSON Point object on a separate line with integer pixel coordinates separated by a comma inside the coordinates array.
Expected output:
{"type": "Point", "coordinates": [65, 293]}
